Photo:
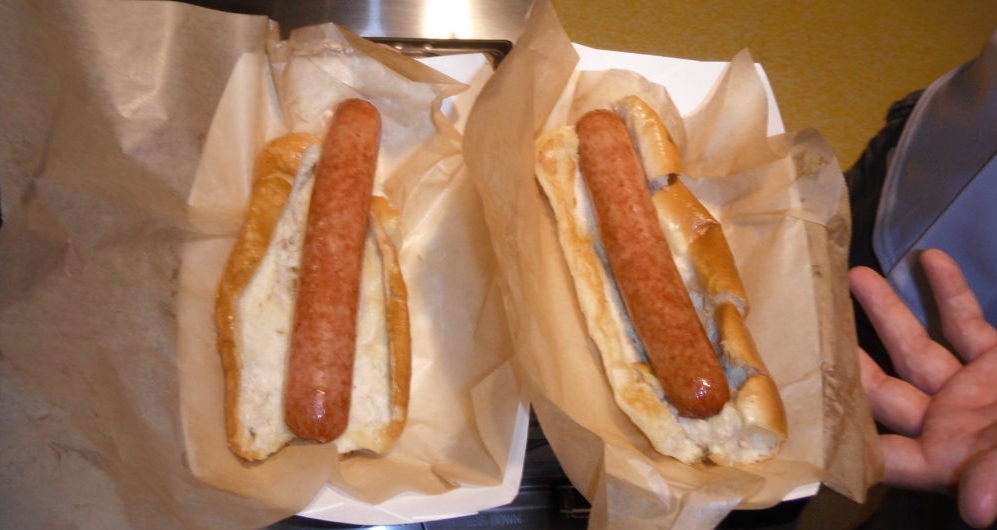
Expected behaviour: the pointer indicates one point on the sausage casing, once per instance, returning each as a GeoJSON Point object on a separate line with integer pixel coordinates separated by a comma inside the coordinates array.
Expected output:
{"type": "Point", "coordinates": [658, 304]}
{"type": "Point", "coordinates": [320, 367]}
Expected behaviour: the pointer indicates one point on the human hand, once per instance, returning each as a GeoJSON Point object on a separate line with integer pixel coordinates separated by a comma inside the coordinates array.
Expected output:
{"type": "Point", "coordinates": [944, 410]}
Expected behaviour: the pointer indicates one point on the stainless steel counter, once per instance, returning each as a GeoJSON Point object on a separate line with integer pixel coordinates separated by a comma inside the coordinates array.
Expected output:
{"type": "Point", "coordinates": [415, 27]}
{"type": "Point", "coordinates": [478, 20]}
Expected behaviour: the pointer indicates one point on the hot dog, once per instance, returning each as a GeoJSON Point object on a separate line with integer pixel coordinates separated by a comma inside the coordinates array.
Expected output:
{"type": "Point", "coordinates": [645, 257]}
{"type": "Point", "coordinates": [680, 355]}
{"type": "Point", "coordinates": [323, 280]}
{"type": "Point", "coordinates": [320, 370]}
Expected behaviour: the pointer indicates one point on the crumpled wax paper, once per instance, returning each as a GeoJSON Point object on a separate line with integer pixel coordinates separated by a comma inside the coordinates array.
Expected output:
{"type": "Point", "coordinates": [784, 209]}
{"type": "Point", "coordinates": [451, 438]}
{"type": "Point", "coordinates": [109, 150]}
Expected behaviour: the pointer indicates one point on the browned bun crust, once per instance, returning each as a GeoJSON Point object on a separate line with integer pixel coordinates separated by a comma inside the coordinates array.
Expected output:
{"type": "Point", "coordinates": [688, 225]}
{"type": "Point", "coordinates": [758, 398]}
{"type": "Point", "coordinates": [385, 221]}
{"type": "Point", "coordinates": [272, 177]}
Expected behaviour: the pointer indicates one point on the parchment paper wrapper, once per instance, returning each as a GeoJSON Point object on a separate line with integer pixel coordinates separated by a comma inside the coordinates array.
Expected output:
{"type": "Point", "coordinates": [115, 230]}
{"type": "Point", "coordinates": [457, 434]}
{"type": "Point", "coordinates": [784, 209]}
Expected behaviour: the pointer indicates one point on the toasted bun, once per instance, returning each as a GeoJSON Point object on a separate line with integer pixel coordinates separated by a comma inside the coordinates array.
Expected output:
{"type": "Point", "coordinates": [385, 222]}
{"type": "Point", "coordinates": [254, 314]}
{"type": "Point", "coordinates": [751, 426]}
{"type": "Point", "coordinates": [694, 236]}
{"type": "Point", "coordinates": [382, 366]}
{"type": "Point", "coordinates": [273, 175]}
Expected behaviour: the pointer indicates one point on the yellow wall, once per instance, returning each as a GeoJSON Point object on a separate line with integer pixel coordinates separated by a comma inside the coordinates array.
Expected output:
{"type": "Point", "coordinates": [834, 65]}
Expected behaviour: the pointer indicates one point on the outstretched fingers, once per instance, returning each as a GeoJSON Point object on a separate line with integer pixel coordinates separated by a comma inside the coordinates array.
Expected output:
{"type": "Point", "coordinates": [916, 357]}
{"type": "Point", "coordinates": [962, 319]}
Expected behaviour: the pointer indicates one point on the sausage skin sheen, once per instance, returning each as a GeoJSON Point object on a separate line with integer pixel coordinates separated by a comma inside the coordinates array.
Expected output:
{"type": "Point", "coordinates": [323, 339]}
{"type": "Point", "coordinates": [659, 306]}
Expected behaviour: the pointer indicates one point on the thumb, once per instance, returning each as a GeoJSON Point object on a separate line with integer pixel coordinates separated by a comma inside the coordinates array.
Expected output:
{"type": "Point", "coordinates": [978, 490]}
